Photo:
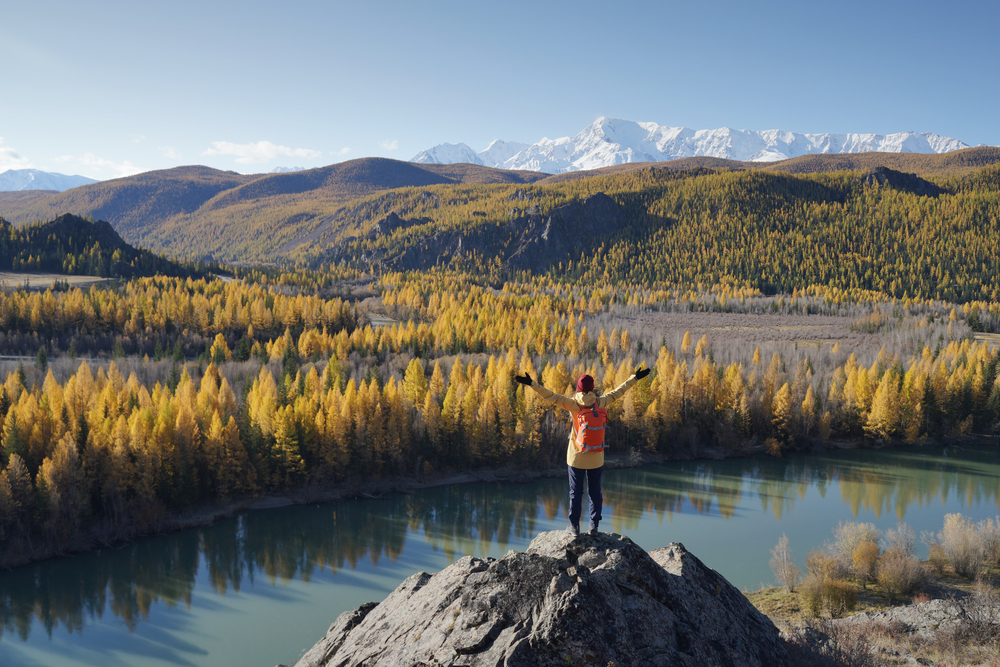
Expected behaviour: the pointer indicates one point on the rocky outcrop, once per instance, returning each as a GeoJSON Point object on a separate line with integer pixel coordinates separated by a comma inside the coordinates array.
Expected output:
{"type": "Point", "coordinates": [390, 223]}
{"type": "Point", "coordinates": [569, 229]}
{"type": "Point", "coordinates": [529, 240]}
{"type": "Point", "coordinates": [929, 619]}
{"type": "Point", "coordinates": [897, 180]}
{"type": "Point", "coordinates": [567, 600]}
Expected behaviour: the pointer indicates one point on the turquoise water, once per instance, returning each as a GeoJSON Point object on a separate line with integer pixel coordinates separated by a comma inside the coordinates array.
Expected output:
{"type": "Point", "coordinates": [260, 588]}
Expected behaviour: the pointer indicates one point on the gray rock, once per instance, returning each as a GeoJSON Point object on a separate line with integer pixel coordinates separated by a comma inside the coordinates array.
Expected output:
{"type": "Point", "coordinates": [571, 600]}
{"type": "Point", "coordinates": [528, 240]}
{"type": "Point", "coordinates": [929, 619]}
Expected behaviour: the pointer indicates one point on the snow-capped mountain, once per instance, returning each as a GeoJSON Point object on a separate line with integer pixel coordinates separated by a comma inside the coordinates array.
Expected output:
{"type": "Point", "coordinates": [610, 141]}
{"type": "Point", "coordinates": [498, 152]}
{"type": "Point", "coordinates": [495, 155]}
{"type": "Point", "coordinates": [34, 179]}
{"type": "Point", "coordinates": [447, 154]}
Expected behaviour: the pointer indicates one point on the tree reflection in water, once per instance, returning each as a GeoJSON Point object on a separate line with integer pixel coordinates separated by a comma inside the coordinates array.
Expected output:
{"type": "Point", "coordinates": [294, 542]}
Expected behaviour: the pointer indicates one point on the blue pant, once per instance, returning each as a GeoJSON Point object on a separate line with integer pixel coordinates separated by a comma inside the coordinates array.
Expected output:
{"type": "Point", "coordinates": [576, 476]}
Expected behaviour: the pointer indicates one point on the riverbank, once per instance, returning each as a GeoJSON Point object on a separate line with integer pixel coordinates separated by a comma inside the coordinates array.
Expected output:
{"type": "Point", "coordinates": [204, 515]}
{"type": "Point", "coordinates": [954, 621]}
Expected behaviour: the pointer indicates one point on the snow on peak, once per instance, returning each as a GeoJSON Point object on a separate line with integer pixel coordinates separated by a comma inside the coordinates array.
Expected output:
{"type": "Point", "coordinates": [610, 141]}
{"type": "Point", "coordinates": [35, 179]}
{"type": "Point", "coordinates": [498, 152]}
{"type": "Point", "coordinates": [447, 154]}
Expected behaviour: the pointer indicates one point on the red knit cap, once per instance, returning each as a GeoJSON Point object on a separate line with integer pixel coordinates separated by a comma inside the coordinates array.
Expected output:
{"type": "Point", "coordinates": [585, 384]}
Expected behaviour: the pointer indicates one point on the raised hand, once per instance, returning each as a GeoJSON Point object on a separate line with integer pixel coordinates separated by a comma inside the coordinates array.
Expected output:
{"type": "Point", "coordinates": [641, 373]}
{"type": "Point", "coordinates": [526, 380]}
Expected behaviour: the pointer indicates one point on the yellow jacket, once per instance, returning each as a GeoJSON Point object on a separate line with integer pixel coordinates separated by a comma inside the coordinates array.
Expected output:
{"type": "Point", "coordinates": [575, 403]}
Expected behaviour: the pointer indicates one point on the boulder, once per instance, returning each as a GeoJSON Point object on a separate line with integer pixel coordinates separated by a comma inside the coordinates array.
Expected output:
{"type": "Point", "coordinates": [568, 600]}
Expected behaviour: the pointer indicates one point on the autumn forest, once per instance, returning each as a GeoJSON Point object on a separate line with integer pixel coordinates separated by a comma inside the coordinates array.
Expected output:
{"type": "Point", "coordinates": [776, 312]}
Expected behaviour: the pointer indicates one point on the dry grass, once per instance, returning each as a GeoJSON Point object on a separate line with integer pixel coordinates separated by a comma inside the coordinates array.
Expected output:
{"type": "Point", "coordinates": [39, 282]}
{"type": "Point", "coordinates": [825, 336]}
{"type": "Point", "coordinates": [789, 609]}
{"type": "Point", "coordinates": [820, 642]}
{"type": "Point", "coordinates": [991, 338]}
{"type": "Point", "coordinates": [825, 644]}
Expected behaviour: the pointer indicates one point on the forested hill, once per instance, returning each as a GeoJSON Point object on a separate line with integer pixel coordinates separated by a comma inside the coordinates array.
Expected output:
{"type": "Point", "coordinates": [69, 244]}
{"type": "Point", "coordinates": [955, 163]}
{"type": "Point", "coordinates": [880, 230]}
{"type": "Point", "coordinates": [927, 231]}
{"type": "Point", "coordinates": [194, 211]}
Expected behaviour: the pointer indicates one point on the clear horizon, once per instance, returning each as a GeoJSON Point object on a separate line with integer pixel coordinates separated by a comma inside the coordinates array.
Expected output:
{"type": "Point", "coordinates": [105, 90]}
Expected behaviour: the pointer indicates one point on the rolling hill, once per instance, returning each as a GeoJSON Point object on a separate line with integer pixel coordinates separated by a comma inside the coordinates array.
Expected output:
{"type": "Point", "coordinates": [896, 223]}
{"type": "Point", "coordinates": [71, 245]}
{"type": "Point", "coordinates": [955, 163]}
{"type": "Point", "coordinates": [198, 211]}
{"type": "Point", "coordinates": [879, 230]}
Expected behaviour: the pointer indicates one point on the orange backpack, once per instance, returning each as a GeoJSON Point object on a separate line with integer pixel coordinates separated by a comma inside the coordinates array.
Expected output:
{"type": "Point", "coordinates": [588, 429]}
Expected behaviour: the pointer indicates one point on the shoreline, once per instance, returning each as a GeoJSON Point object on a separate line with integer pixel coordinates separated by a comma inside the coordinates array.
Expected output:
{"type": "Point", "coordinates": [206, 515]}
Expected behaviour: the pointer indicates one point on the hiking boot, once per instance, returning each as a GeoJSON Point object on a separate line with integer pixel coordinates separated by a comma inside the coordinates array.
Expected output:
{"type": "Point", "coordinates": [574, 530]}
{"type": "Point", "coordinates": [593, 529]}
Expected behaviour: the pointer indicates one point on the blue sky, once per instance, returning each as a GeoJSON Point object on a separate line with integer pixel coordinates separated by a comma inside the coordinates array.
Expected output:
{"type": "Point", "coordinates": [107, 88]}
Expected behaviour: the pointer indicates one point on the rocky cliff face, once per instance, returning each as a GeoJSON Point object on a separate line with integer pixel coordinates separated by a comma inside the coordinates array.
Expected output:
{"type": "Point", "coordinates": [885, 177]}
{"type": "Point", "coordinates": [568, 230]}
{"type": "Point", "coordinates": [568, 600]}
{"type": "Point", "coordinates": [528, 240]}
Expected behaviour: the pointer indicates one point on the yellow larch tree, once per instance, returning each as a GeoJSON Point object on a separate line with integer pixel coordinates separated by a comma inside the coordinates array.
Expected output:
{"type": "Point", "coordinates": [883, 418]}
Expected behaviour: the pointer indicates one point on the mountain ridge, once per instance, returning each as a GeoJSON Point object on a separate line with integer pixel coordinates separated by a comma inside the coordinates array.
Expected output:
{"type": "Point", "coordinates": [166, 209]}
{"type": "Point", "coordinates": [17, 180]}
{"type": "Point", "coordinates": [610, 141]}
{"type": "Point", "coordinates": [197, 212]}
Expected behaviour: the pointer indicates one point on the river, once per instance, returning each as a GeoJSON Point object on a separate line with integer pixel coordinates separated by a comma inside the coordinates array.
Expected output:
{"type": "Point", "coordinates": [263, 586]}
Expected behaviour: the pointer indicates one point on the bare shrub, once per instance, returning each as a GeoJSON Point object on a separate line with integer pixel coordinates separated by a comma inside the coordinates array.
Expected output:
{"type": "Point", "coordinates": [901, 538]}
{"type": "Point", "coordinates": [920, 598]}
{"type": "Point", "coordinates": [840, 597]}
{"type": "Point", "coordinates": [977, 628]}
{"type": "Point", "coordinates": [824, 565]}
{"type": "Point", "coordinates": [963, 545]}
{"type": "Point", "coordinates": [786, 572]}
{"type": "Point", "coordinates": [900, 574]}
{"type": "Point", "coordinates": [936, 557]}
{"type": "Point", "coordinates": [981, 615]}
{"type": "Point", "coordinates": [834, 596]}
{"type": "Point", "coordinates": [827, 644]}
{"type": "Point", "coordinates": [851, 645]}
{"type": "Point", "coordinates": [812, 594]}
{"type": "Point", "coordinates": [864, 560]}
{"type": "Point", "coordinates": [989, 530]}
{"type": "Point", "coordinates": [848, 535]}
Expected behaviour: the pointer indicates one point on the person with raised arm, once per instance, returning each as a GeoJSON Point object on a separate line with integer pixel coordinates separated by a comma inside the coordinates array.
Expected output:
{"type": "Point", "coordinates": [585, 452]}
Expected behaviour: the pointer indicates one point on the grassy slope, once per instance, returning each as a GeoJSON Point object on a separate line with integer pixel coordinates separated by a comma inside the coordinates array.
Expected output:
{"type": "Point", "coordinates": [194, 211]}
{"type": "Point", "coordinates": [198, 210]}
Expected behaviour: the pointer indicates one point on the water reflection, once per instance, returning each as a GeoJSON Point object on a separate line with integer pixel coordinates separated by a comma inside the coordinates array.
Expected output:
{"type": "Point", "coordinates": [295, 542]}
{"type": "Point", "coordinates": [871, 481]}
